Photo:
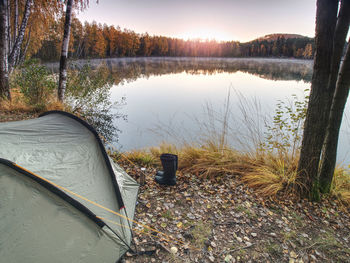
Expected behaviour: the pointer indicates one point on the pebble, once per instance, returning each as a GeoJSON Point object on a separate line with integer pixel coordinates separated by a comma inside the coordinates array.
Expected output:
{"type": "Point", "coordinates": [173, 250]}
{"type": "Point", "coordinates": [248, 244]}
{"type": "Point", "coordinates": [228, 258]}
{"type": "Point", "coordinates": [254, 234]}
{"type": "Point", "coordinates": [211, 258]}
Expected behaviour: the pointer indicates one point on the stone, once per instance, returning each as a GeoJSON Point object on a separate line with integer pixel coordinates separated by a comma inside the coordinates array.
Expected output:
{"type": "Point", "coordinates": [228, 258]}
{"type": "Point", "coordinates": [173, 250]}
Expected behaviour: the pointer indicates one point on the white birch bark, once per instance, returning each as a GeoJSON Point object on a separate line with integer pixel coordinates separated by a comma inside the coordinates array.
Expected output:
{"type": "Point", "coordinates": [64, 52]}
{"type": "Point", "coordinates": [4, 72]}
{"type": "Point", "coordinates": [19, 39]}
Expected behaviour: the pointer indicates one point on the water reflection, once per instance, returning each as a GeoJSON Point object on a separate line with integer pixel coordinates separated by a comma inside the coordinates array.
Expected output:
{"type": "Point", "coordinates": [130, 69]}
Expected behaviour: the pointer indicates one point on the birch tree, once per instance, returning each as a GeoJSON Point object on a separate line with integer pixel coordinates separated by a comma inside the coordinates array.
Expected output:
{"type": "Point", "coordinates": [64, 52]}
{"type": "Point", "coordinates": [65, 45]}
{"type": "Point", "coordinates": [15, 51]}
{"type": "Point", "coordinates": [4, 70]}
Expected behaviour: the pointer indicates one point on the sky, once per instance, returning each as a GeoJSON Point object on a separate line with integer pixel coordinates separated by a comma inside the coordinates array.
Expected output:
{"type": "Point", "coordinates": [223, 20]}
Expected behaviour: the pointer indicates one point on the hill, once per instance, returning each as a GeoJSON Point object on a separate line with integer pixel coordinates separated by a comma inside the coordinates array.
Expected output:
{"type": "Point", "coordinates": [274, 37]}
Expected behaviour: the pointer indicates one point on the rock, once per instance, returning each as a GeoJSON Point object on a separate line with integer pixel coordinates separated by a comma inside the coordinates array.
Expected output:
{"type": "Point", "coordinates": [239, 239]}
{"type": "Point", "coordinates": [273, 234]}
{"type": "Point", "coordinates": [173, 250]}
{"type": "Point", "coordinates": [228, 258]}
{"type": "Point", "coordinates": [254, 234]}
{"type": "Point", "coordinates": [211, 258]}
{"type": "Point", "coordinates": [248, 244]}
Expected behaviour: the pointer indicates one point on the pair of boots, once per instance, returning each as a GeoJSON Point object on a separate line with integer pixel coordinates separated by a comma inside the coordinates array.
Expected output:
{"type": "Point", "coordinates": [168, 175]}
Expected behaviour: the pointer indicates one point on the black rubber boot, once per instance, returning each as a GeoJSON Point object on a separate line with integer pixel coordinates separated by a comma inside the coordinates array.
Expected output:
{"type": "Point", "coordinates": [169, 163]}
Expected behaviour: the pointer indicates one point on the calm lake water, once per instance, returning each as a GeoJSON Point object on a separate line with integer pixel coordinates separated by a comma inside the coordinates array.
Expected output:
{"type": "Point", "coordinates": [181, 100]}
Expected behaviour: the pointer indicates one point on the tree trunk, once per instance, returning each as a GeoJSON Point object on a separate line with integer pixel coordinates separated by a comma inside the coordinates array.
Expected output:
{"type": "Point", "coordinates": [329, 155]}
{"type": "Point", "coordinates": [18, 41]}
{"type": "Point", "coordinates": [15, 32]}
{"type": "Point", "coordinates": [316, 119]}
{"type": "Point", "coordinates": [341, 31]}
{"type": "Point", "coordinates": [23, 52]}
{"type": "Point", "coordinates": [4, 74]}
{"type": "Point", "coordinates": [9, 40]}
{"type": "Point", "coordinates": [65, 44]}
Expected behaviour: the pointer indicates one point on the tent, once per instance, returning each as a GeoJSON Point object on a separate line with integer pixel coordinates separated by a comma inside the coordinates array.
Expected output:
{"type": "Point", "coordinates": [62, 199]}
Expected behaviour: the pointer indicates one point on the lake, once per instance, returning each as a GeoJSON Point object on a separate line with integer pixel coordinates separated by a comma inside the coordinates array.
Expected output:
{"type": "Point", "coordinates": [186, 100]}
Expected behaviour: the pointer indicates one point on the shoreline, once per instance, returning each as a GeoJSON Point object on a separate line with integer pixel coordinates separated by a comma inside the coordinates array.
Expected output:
{"type": "Point", "coordinates": [222, 220]}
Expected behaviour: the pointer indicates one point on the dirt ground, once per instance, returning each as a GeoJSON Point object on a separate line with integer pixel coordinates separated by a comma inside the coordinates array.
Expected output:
{"type": "Point", "coordinates": [224, 221]}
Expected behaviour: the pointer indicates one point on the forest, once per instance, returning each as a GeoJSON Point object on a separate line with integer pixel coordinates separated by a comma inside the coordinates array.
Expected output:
{"type": "Point", "coordinates": [94, 40]}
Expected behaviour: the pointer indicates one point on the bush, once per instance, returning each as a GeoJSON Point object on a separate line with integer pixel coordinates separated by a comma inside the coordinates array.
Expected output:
{"type": "Point", "coordinates": [88, 95]}
{"type": "Point", "coordinates": [284, 135]}
{"type": "Point", "coordinates": [35, 82]}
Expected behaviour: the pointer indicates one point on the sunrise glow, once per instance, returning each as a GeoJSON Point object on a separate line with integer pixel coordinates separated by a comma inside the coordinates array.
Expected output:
{"type": "Point", "coordinates": [207, 34]}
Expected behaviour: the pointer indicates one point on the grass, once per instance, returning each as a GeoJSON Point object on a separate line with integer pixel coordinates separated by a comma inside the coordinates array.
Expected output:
{"type": "Point", "coordinates": [201, 232]}
{"type": "Point", "coordinates": [341, 185]}
{"type": "Point", "coordinates": [269, 174]}
{"type": "Point", "coordinates": [17, 104]}
{"type": "Point", "coordinates": [142, 158]}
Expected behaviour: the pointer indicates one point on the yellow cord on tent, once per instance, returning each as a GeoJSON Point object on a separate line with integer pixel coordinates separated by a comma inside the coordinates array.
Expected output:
{"type": "Point", "coordinates": [100, 206]}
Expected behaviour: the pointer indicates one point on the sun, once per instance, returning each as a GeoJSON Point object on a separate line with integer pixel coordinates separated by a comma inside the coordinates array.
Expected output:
{"type": "Point", "coordinates": [207, 34]}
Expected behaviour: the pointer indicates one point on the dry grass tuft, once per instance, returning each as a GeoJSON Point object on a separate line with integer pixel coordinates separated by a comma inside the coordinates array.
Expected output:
{"type": "Point", "coordinates": [211, 162]}
{"type": "Point", "coordinates": [271, 177]}
{"type": "Point", "coordinates": [141, 158]}
{"type": "Point", "coordinates": [17, 104]}
{"type": "Point", "coordinates": [54, 105]}
{"type": "Point", "coordinates": [341, 185]}
{"type": "Point", "coordinates": [206, 161]}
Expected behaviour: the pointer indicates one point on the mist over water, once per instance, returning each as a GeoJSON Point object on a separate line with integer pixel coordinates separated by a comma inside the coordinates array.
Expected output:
{"type": "Point", "coordinates": [179, 100]}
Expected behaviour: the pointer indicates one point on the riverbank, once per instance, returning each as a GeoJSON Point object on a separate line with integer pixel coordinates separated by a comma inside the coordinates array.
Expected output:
{"type": "Point", "coordinates": [220, 219]}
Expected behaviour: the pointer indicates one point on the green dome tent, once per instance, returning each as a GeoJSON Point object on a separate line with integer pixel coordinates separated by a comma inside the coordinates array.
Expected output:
{"type": "Point", "coordinates": [58, 191]}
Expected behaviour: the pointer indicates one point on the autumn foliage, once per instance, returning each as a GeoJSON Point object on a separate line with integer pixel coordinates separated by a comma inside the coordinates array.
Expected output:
{"type": "Point", "coordinates": [93, 40]}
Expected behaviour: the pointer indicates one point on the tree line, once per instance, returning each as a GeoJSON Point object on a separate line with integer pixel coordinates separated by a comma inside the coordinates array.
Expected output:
{"type": "Point", "coordinates": [94, 40]}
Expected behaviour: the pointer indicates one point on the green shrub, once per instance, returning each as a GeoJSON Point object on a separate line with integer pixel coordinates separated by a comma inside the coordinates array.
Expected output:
{"type": "Point", "coordinates": [35, 82]}
{"type": "Point", "coordinates": [284, 135]}
{"type": "Point", "coordinates": [88, 95]}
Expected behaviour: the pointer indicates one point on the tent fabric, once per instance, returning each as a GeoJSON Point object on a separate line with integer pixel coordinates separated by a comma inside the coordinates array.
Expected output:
{"type": "Point", "coordinates": [37, 219]}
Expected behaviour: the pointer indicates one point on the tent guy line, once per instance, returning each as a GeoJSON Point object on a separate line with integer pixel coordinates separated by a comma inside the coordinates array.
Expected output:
{"type": "Point", "coordinates": [169, 238]}
{"type": "Point", "coordinates": [66, 151]}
